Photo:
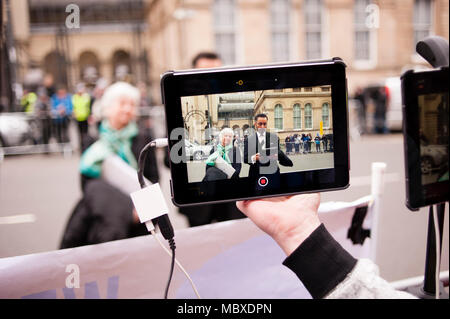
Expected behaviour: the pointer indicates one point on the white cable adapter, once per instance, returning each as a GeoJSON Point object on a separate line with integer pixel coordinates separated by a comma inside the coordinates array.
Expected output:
{"type": "Point", "coordinates": [150, 204]}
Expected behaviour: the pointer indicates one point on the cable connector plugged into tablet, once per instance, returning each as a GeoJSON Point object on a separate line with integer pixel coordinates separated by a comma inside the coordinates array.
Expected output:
{"type": "Point", "coordinates": [151, 207]}
{"type": "Point", "coordinates": [160, 142]}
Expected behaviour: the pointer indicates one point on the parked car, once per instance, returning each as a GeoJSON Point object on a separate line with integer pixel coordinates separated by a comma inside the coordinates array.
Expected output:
{"type": "Point", "coordinates": [433, 157]}
{"type": "Point", "coordinates": [196, 151]}
{"type": "Point", "coordinates": [15, 130]}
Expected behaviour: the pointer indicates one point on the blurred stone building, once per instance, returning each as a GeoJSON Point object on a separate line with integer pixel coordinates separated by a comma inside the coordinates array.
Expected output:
{"type": "Point", "coordinates": [137, 40]}
{"type": "Point", "coordinates": [375, 38]}
{"type": "Point", "coordinates": [80, 41]}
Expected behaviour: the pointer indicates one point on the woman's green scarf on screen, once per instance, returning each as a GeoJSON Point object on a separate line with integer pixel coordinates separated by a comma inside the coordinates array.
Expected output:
{"type": "Point", "coordinates": [111, 142]}
{"type": "Point", "coordinates": [221, 151]}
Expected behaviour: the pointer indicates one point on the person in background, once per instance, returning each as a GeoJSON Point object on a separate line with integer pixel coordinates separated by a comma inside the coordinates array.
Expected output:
{"type": "Point", "coordinates": [81, 102]}
{"type": "Point", "coordinates": [205, 60]}
{"type": "Point", "coordinates": [61, 108]}
{"type": "Point", "coordinates": [44, 117]}
{"type": "Point", "coordinates": [306, 144]}
{"type": "Point", "coordinates": [96, 110]}
{"type": "Point", "coordinates": [145, 97]}
{"type": "Point", "coordinates": [287, 141]}
{"type": "Point", "coordinates": [28, 101]}
{"type": "Point", "coordinates": [296, 143]}
{"type": "Point", "coordinates": [310, 141]}
{"type": "Point", "coordinates": [317, 140]}
{"type": "Point", "coordinates": [49, 85]}
{"type": "Point", "coordinates": [105, 213]}
{"type": "Point", "coordinates": [145, 121]}
{"type": "Point", "coordinates": [380, 98]}
{"type": "Point", "coordinates": [262, 153]}
{"type": "Point", "coordinates": [305, 147]}
{"type": "Point", "coordinates": [324, 267]}
{"type": "Point", "coordinates": [362, 106]}
{"type": "Point", "coordinates": [325, 142]}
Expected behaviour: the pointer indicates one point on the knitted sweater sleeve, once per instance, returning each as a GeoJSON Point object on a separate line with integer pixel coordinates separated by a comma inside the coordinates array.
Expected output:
{"type": "Point", "coordinates": [364, 282]}
{"type": "Point", "coordinates": [327, 270]}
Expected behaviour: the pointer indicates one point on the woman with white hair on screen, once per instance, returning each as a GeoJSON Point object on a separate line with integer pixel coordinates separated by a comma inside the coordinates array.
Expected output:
{"type": "Point", "coordinates": [225, 162]}
{"type": "Point", "coordinates": [105, 213]}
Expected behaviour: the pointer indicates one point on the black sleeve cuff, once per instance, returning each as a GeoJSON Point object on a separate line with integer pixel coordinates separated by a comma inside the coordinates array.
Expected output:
{"type": "Point", "coordinates": [320, 263]}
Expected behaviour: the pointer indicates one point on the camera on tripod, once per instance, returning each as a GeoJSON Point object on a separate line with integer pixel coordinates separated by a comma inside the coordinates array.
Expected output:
{"type": "Point", "coordinates": [426, 136]}
{"type": "Point", "coordinates": [425, 98]}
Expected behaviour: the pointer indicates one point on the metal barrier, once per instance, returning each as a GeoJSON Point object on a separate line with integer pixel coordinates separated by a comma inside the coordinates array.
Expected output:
{"type": "Point", "coordinates": [21, 133]}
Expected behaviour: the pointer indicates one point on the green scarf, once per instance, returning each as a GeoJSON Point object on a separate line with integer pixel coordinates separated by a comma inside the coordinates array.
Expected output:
{"type": "Point", "coordinates": [222, 152]}
{"type": "Point", "coordinates": [111, 142]}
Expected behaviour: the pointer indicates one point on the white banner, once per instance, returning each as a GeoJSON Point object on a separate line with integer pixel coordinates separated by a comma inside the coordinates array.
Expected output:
{"type": "Point", "coordinates": [232, 259]}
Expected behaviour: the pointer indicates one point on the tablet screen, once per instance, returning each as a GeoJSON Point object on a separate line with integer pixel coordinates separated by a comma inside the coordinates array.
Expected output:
{"type": "Point", "coordinates": [222, 131]}
{"type": "Point", "coordinates": [433, 121]}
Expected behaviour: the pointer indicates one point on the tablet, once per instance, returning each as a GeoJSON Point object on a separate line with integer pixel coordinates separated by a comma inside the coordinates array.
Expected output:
{"type": "Point", "coordinates": [263, 121]}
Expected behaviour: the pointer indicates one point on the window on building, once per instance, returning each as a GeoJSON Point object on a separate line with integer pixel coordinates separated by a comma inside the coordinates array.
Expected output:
{"type": "Point", "coordinates": [308, 89]}
{"type": "Point", "coordinates": [362, 32]}
{"type": "Point", "coordinates": [326, 114]}
{"type": "Point", "coordinates": [422, 20]}
{"type": "Point", "coordinates": [48, 13]}
{"type": "Point", "coordinates": [280, 26]}
{"type": "Point", "coordinates": [297, 112]}
{"type": "Point", "coordinates": [313, 27]}
{"type": "Point", "coordinates": [278, 117]}
{"type": "Point", "coordinates": [224, 29]}
{"type": "Point", "coordinates": [308, 116]}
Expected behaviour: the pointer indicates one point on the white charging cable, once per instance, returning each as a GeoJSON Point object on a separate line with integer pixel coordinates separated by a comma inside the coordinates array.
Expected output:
{"type": "Point", "coordinates": [438, 253]}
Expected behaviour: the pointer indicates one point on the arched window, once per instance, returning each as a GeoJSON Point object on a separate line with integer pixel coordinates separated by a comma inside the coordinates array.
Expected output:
{"type": "Point", "coordinates": [225, 29]}
{"type": "Point", "coordinates": [313, 18]}
{"type": "Point", "coordinates": [89, 66]}
{"type": "Point", "coordinates": [280, 11]}
{"type": "Point", "coordinates": [297, 116]}
{"type": "Point", "coordinates": [326, 114]}
{"type": "Point", "coordinates": [308, 116]}
{"type": "Point", "coordinates": [278, 117]}
{"type": "Point", "coordinates": [121, 61]}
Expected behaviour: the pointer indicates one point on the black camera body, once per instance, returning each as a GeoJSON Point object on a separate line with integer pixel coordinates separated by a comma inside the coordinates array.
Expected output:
{"type": "Point", "coordinates": [425, 98]}
{"type": "Point", "coordinates": [302, 148]}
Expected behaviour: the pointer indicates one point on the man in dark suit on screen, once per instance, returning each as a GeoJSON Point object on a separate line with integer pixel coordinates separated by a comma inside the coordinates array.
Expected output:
{"type": "Point", "coordinates": [262, 152]}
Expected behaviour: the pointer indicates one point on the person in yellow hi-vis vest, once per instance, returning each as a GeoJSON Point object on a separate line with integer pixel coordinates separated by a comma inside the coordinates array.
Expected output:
{"type": "Point", "coordinates": [81, 102]}
{"type": "Point", "coordinates": [28, 102]}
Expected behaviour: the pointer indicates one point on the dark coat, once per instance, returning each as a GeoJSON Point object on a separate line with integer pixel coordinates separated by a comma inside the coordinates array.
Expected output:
{"type": "Point", "coordinates": [252, 146]}
{"type": "Point", "coordinates": [205, 214]}
{"type": "Point", "coordinates": [104, 213]}
{"type": "Point", "coordinates": [212, 173]}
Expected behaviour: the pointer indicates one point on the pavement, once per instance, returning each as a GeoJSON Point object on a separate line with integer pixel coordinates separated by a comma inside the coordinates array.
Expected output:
{"type": "Point", "coordinates": [301, 162]}
{"type": "Point", "coordinates": [38, 193]}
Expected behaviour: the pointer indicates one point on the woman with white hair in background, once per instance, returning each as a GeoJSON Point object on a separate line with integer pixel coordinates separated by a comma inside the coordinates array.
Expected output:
{"type": "Point", "coordinates": [226, 155]}
{"type": "Point", "coordinates": [105, 213]}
